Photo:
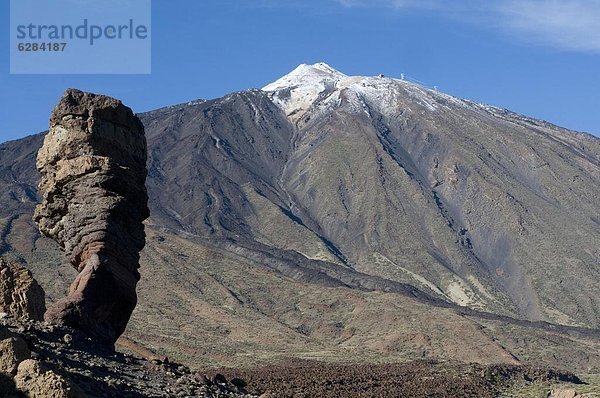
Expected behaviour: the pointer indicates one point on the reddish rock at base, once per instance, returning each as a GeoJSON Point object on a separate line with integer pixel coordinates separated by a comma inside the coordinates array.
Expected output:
{"type": "Point", "coordinates": [94, 200]}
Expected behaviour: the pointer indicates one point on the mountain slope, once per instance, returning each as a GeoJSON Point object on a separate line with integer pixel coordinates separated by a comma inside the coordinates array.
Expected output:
{"type": "Point", "coordinates": [477, 205]}
{"type": "Point", "coordinates": [287, 221]}
{"type": "Point", "coordinates": [478, 201]}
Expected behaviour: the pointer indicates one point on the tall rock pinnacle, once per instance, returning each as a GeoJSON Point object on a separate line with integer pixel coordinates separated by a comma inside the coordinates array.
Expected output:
{"type": "Point", "coordinates": [94, 200]}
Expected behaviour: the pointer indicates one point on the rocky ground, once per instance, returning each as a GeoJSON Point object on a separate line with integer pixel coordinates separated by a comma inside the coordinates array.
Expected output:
{"type": "Point", "coordinates": [412, 379]}
{"type": "Point", "coordinates": [42, 360]}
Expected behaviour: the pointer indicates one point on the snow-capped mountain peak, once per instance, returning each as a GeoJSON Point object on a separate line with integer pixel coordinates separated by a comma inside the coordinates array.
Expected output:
{"type": "Point", "coordinates": [297, 91]}
{"type": "Point", "coordinates": [319, 88]}
{"type": "Point", "coordinates": [315, 74]}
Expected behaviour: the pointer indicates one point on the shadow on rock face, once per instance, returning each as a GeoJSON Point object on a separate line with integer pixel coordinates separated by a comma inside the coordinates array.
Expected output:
{"type": "Point", "coordinates": [7, 387]}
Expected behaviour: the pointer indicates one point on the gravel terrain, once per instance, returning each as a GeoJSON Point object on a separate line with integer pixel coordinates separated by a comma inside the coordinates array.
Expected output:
{"type": "Point", "coordinates": [412, 379]}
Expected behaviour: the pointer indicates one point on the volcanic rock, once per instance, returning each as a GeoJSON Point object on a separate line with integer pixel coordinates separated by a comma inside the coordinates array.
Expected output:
{"type": "Point", "coordinates": [35, 380]}
{"type": "Point", "coordinates": [93, 169]}
{"type": "Point", "coordinates": [20, 294]}
{"type": "Point", "coordinates": [13, 350]}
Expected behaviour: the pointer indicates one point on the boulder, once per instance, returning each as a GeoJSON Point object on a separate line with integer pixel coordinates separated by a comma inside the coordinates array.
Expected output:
{"type": "Point", "coordinates": [13, 350]}
{"type": "Point", "coordinates": [20, 295]}
{"type": "Point", "coordinates": [34, 380]}
{"type": "Point", "coordinates": [563, 393]}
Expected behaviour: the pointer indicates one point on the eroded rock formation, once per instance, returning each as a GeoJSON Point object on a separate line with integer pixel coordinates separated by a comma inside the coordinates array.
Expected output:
{"type": "Point", "coordinates": [93, 168]}
{"type": "Point", "coordinates": [20, 294]}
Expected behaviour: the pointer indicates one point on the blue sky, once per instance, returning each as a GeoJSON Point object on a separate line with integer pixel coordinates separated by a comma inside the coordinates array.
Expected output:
{"type": "Point", "coordinates": [539, 58]}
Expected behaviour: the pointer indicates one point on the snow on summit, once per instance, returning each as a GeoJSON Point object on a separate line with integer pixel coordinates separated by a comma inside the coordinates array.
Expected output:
{"type": "Point", "coordinates": [316, 74]}
{"type": "Point", "coordinates": [297, 91]}
{"type": "Point", "coordinates": [319, 86]}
